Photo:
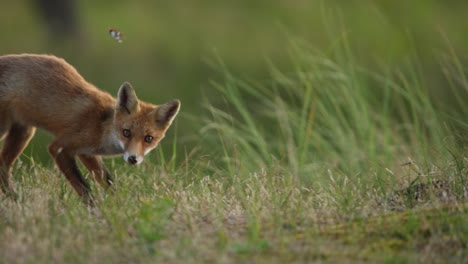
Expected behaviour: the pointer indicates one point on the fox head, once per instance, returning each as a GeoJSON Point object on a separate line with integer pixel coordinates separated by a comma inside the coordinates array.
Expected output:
{"type": "Point", "coordinates": [140, 126]}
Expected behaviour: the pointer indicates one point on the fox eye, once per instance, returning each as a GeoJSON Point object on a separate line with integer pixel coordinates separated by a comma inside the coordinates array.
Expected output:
{"type": "Point", "coordinates": [126, 133]}
{"type": "Point", "coordinates": [148, 139]}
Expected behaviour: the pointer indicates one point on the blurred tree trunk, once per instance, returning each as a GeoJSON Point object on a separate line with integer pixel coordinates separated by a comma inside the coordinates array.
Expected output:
{"type": "Point", "coordinates": [60, 17]}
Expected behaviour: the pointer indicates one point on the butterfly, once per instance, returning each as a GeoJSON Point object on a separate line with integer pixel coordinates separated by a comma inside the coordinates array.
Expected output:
{"type": "Point", "coordinates": [117, 35]}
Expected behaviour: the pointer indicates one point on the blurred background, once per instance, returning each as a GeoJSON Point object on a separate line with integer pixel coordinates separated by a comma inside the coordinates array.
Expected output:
{"type": "Point", "coordinates": [169, 46]}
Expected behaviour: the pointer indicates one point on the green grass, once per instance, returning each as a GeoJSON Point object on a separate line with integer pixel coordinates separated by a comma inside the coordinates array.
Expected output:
{"type": "Point", "coordinates": [329, 162]}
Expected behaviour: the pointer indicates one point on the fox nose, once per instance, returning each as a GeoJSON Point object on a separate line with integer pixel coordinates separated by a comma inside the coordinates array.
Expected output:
{"type": "Point", "coordinates": [132, 160]}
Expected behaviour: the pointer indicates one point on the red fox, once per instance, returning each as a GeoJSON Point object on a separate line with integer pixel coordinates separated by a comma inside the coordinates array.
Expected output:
{"type": "Point", "coordinates": [46, 92]}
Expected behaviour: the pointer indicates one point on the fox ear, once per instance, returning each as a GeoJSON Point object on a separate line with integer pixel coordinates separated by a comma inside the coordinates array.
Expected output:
{"type": "Point", "coordinates": [127, 100]}
{"type": "Point", "coordinates": [166, 113]}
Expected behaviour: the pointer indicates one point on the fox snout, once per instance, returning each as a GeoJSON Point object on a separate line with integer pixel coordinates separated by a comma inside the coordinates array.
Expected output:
{"type": "Point", "coordinates": [132, 159]}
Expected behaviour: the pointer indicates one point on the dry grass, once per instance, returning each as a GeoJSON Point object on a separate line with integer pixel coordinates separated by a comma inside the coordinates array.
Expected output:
{"type": "Point", "coordinates": [264, 216]}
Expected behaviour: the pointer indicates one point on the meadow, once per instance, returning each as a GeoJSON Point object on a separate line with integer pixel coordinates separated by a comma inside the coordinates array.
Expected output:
{"type": "Point", "coordinates": [348, 144]}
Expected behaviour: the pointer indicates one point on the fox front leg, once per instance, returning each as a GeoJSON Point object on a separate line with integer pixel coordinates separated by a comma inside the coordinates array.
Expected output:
{"type": "Point", "coordinates": [96, 167]}
{"type": "Point", "coordinates": [67, 164]}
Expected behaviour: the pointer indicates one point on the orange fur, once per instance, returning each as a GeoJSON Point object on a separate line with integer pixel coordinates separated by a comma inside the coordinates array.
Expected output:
{"type": "Point", "coordinates": [46, 92]}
